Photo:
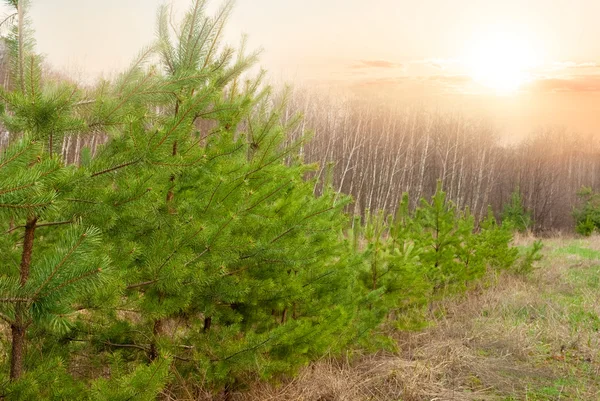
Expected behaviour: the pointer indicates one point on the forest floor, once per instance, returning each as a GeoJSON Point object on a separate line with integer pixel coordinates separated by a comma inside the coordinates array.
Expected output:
{"type": "Point", "coordinates": [519, 338]}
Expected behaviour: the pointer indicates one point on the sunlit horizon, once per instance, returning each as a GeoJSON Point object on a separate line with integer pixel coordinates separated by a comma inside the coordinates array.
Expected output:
{"type": "Point", "coordinates": [524, 67]}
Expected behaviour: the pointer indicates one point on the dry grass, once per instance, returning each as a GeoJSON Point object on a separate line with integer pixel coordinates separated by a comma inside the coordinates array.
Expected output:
{"type": "Point", "coordinates": [522, 338]}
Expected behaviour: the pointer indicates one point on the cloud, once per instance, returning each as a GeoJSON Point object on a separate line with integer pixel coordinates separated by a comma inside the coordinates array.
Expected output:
{"type": "Point", "coordinates": [384, 81]}
{"type": "Point", "coordinates": [432, 84]}
{"type": "Point", "coordinates": [573, 84]}
{"type": "Point", "coordinates": [376, 64]}
{"type": "Point", "coordinates": [563, 65]}
{"type": "Point", "coordinates": [450, 79]}
{"type": "Point", "coordinates": [438, 63]}
{"type": "Point", "coordinates": [464, 84]}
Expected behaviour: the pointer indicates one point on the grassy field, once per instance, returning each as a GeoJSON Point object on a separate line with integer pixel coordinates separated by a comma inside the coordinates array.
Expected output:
{"type": "Point", "coordinates": [519, 338]}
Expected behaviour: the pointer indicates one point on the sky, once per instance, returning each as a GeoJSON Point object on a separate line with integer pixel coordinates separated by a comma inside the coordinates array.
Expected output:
{"type": "Point", "coordinates": [522, 64]}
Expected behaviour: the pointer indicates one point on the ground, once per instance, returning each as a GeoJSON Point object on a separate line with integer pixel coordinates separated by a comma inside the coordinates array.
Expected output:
{"type": "Point", "coordinates": [512, 338]}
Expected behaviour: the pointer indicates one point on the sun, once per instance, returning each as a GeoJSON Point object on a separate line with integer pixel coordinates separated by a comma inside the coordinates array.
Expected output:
{"type": "Point", "coordinates": [500, 61]}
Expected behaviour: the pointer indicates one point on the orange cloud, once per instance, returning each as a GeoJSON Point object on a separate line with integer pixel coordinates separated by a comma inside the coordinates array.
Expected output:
{"type": "Point", "coordinates": [376, 64]}
{"type": "Point", "coordinates": [439, 63]}
{"type": "Point", "coordinates": [574, 65]}
{"type": "Point", "coordinates": [575, 83]}
{"type": "Point", "coordinates": [432, 84]}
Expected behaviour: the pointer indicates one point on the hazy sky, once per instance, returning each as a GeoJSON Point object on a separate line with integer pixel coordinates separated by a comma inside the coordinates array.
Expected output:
{"type": "Point", "coordinates": [524, 63]}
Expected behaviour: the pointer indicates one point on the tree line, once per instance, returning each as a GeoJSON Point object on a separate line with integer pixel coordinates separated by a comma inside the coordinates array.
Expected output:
{"type": "Point", "coordinates": [377, 151]}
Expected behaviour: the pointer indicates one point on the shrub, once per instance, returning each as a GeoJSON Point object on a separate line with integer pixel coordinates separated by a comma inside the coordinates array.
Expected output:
{"type": "Point", "coordinates": [514, 213]}
{"type": "Point", "coordinates": [587, 215]}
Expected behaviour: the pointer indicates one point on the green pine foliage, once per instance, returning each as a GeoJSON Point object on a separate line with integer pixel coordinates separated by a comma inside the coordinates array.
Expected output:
{"type": "Point", "coordinates": [47, 379]}
{"type": "Point", "coordinates": [417, 256]}
{"type": "Point", "coordinates": [494, 243]}
{"type": "Point", "coordinates": [214, 230]}
{"type": "Point", "coordinates": [587, 215]}
{"type": "Point", "coordinates": [441, 235]}
{"type": "Point", "coordinates": [515, 214]}
{"type": "Point", "coordinates": [191, 247]}
{"type": "Point", "coordinates": [144, 383]}
{"type": "Point", "coordinates": [392, 273]}
{"type": "Point", "coordinates": [530, 256]}
{"type": "Point", "coordinates": [50, 261]}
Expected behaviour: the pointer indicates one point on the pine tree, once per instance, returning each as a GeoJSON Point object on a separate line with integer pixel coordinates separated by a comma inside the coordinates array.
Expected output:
{"type": "Point", "coordinates": [60, 269]}
{"type": "Point", "coordinates": [439, 237]}
{"type": "Point", "coordinates": [49, 260]}
{"type": "Point", "coordinates": [515, 214]}
{"type": "Point", "coordinates": [587, 214]}
{"type": "Point", "coordinates": [228, 261]}
{"type": "Point", "coordinates": [392, 277]}
{"type": "Point", "coordinates": [494, 243]}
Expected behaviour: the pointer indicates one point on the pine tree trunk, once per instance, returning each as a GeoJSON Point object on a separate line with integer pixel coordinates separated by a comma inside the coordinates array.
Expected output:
{"type": "Point", "coordinates": [207, 323]}
{"type": "Point", "coordinates": [19, 327]}
{"type": "Point", "coordinates": [284, 316]}
{"type": "Point", "coordinates": [156, 332]}
{"type": "Point", "coordinates": [17, 351]}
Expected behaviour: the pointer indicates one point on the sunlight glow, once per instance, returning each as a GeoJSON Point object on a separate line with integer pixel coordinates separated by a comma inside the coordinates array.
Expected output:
{"type": "Point", "coordinates": [500, 62]}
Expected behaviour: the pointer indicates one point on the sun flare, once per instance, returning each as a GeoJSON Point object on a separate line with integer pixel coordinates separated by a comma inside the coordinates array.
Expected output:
{"type": "Point", "coordinates": [500, 62]}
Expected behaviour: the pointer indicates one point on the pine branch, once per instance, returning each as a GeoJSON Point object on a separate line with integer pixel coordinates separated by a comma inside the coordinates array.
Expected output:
{"type": "Point", "coordinates": [289, 230]}
{"type": "Point", "coordinates": [145, 388]}
{"type": "Point", "coordinates": [277, 157]}
{"type": "Point", "coordinates": [110, 344]}
{"type": "Point", "coordinates": [212, 195]}
{"type": "Point", "coordinates": [17, 155]}
{"type": "Point", "coordinates": [13, 300]}
{"type": "Point", "coordinates": [133, 199]}
{"type": "Point", "coordinates": [145, 283]}
{"type": "Point", "coordinates": [11, 16]}
{"type": "Point", "coordinates": [198, 160]}
{"type": "Point", "coordinates": [329, 273]}
{"type": "Point", "coordinates": [14, 189]}
{"type": "Point", "coordinates": [84, 102]}
{"type": "Point", "coordinates": [82, 201]}
{"type": "Point", "coordinates": [232, 191]}
{"type": "Point", "coordinates": [192, 146]}
{"type": "Point", "coordinates": [223, 17]}
{"type": "Point", "coordinates": [207, 249]}
{"type": "Point", "coordinates": [304, 219]}
{"type": "Point", "coordinates": [164, 263]}
{"type": "Point", "coordinates": [233, 273]}
{"type": "Point", "coordinates": [246, 350]}
{"type": "Point", "coordinates": [219, 232]}
{"type": "Point", "coordinates": [193, 20]}
{"type": "Point", "coordinates": [137, 63]}
{"type": "Point", "coordinates": [130, 95]}
{"type": "Point", "coordinates": [82, 238]}
{"type": "Point", "coordinates": [72, 281]}
{"type": "Point", "coordinates": [225, 153]}
{"type": "Point", "coordinates": [207, 113]}
{"type": "Point", "coordinates": [181, 119]}
{"type": "Point", "coordinates": [25, 206]}
{"type": "Point", "coordinates": [96, 124]}
{"type": "Point", "coordinates": [268, 196]}
{"type": "Point", "coordinates": [120, 166]}
{"type": "Point", "coordinates": [6, 318]}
